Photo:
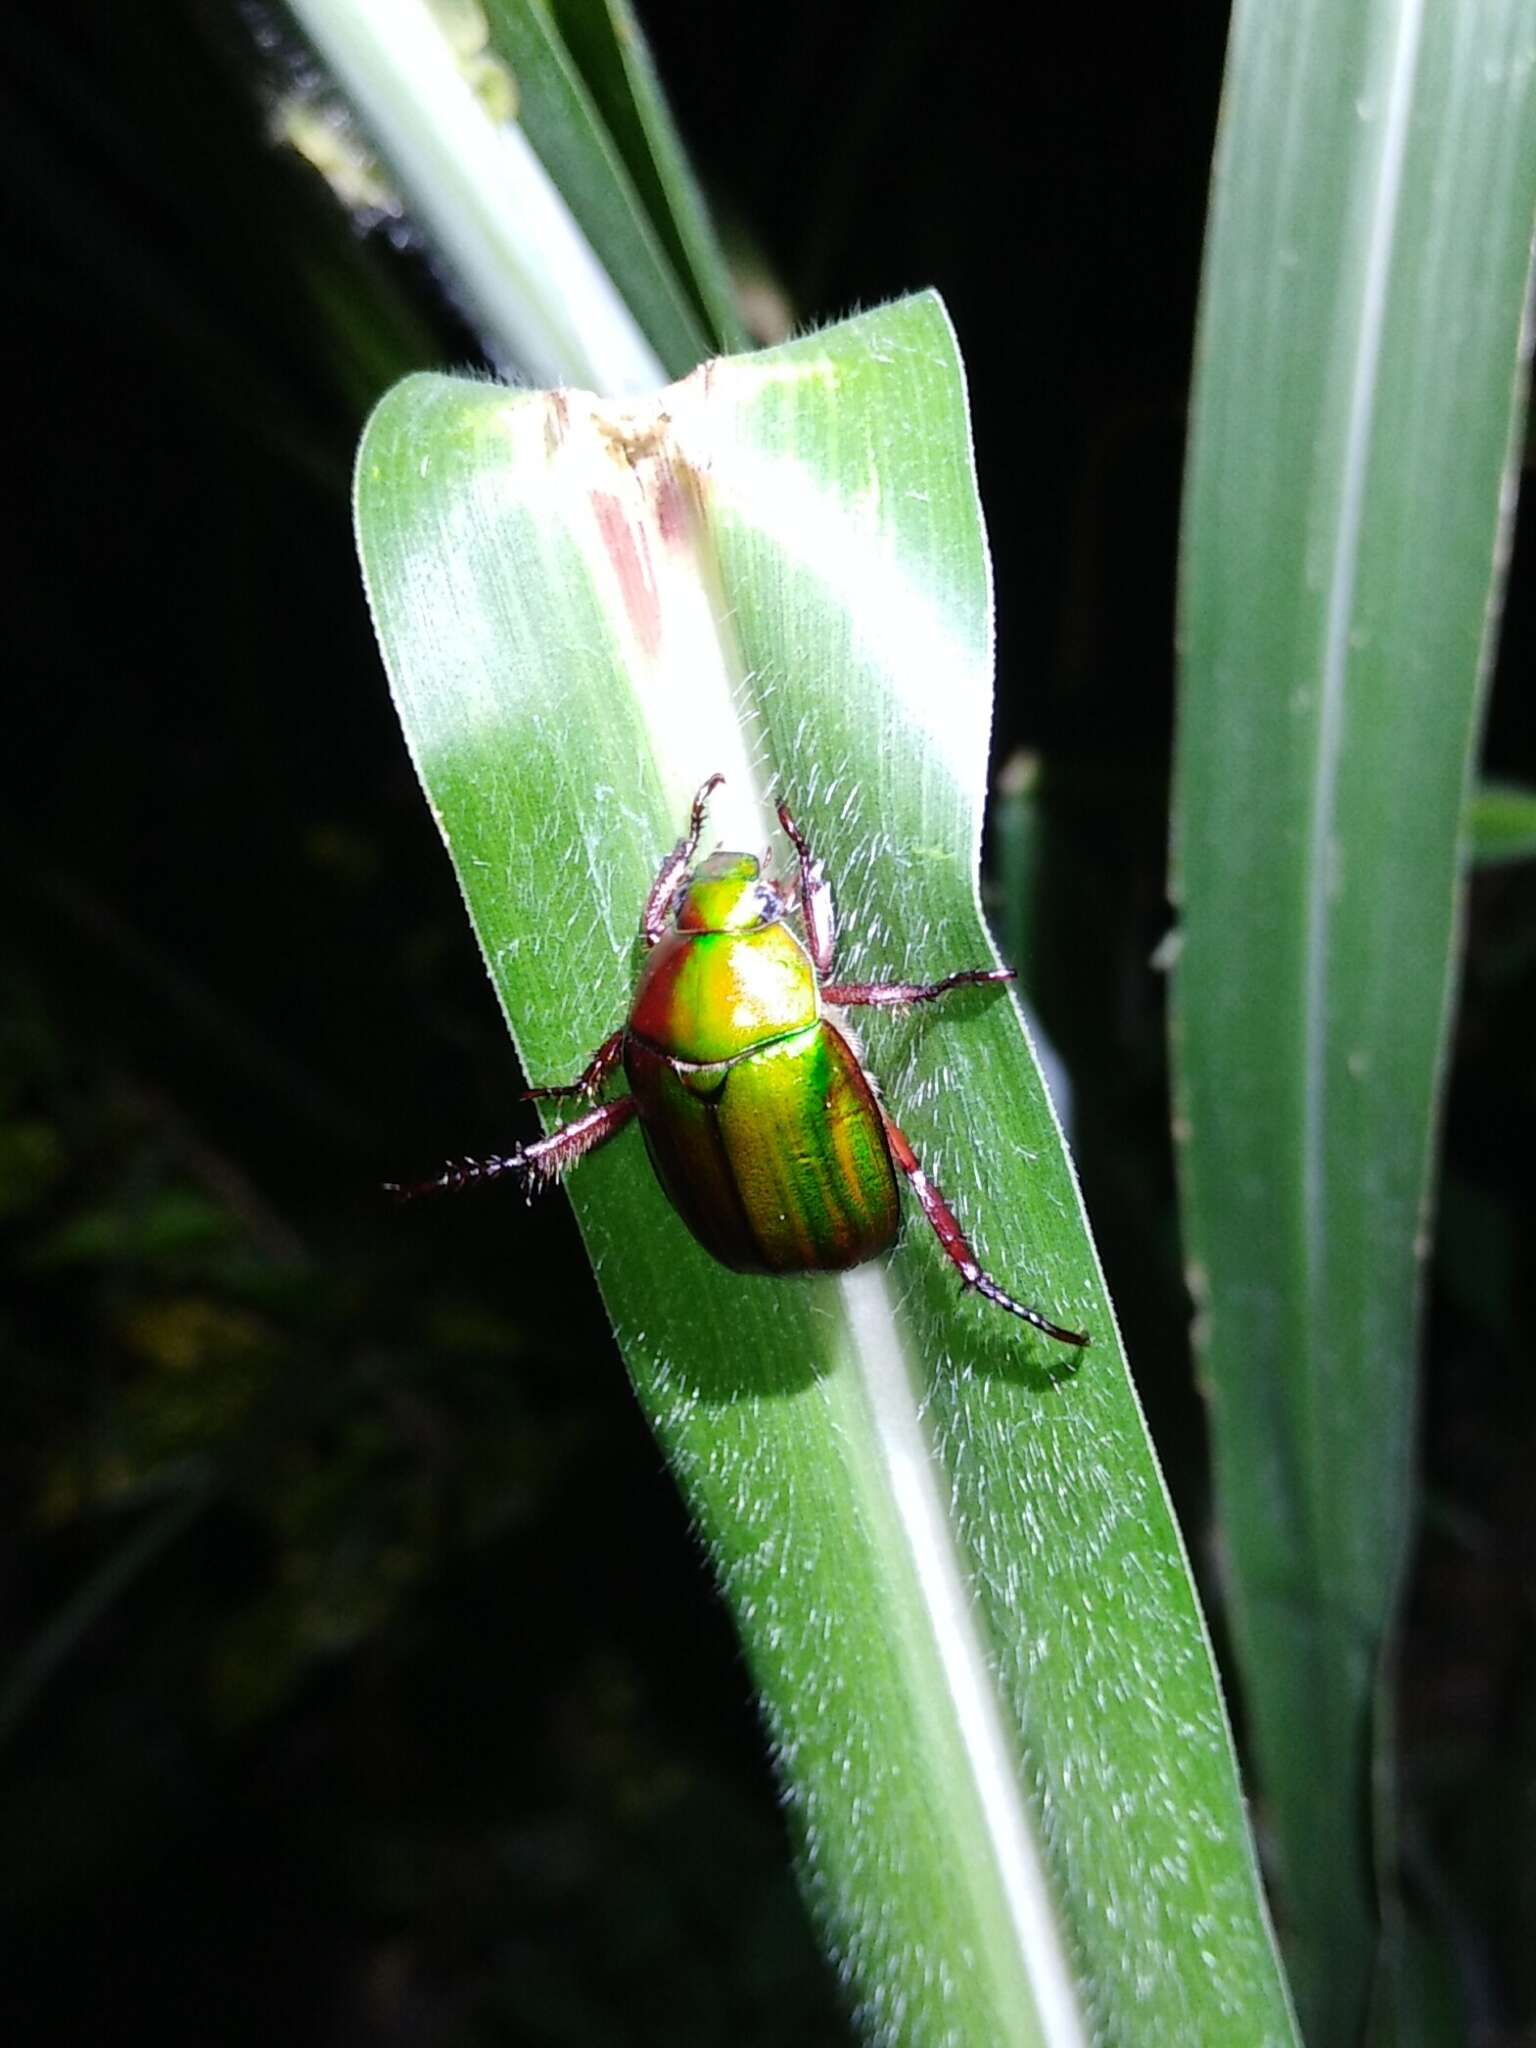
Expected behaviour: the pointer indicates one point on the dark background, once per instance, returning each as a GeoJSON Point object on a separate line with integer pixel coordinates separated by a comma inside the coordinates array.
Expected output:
{"type": "Point", "coordinates": [364, 1680]}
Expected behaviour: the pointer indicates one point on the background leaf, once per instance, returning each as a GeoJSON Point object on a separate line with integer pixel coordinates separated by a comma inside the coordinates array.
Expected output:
{"type": "Point", "coordinates": [958, 1583]}
{"type": "Point", "coordinates": [1350, 482]}
{"type": "Point", "coordinates": [1503, 823]}
{"type": "Point", "coordinates": [492, 211]}
{"type": "Point", "coordinates": [573, 105]}
{"type": "Point", "coordinates": [534, 150]}
{"type": "Point", "coordinates": [607, 41]}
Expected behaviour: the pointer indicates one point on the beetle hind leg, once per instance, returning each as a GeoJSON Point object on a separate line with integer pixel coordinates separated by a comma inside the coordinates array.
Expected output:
{"type": "Point", "coordinates": [959, 1252]}
{"type": "Point", "coordinates": [533, 1167]}
{"type": "Point", "coordinates": [592, 1077]}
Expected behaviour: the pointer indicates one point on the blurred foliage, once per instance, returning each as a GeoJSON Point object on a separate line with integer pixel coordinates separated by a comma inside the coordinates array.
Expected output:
{"type": "Point", "coordinates": [1503, 823]}
{"type": "Point", "coordinates": [327, 1680]}
{"type": "Point", "coordinates": [336, 1716]}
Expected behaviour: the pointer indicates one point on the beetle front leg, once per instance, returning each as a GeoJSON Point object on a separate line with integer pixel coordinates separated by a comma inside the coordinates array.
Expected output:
{"type": "Point", "coordinates": [950, 1235]}
{"type": "Point", "coordinates": [815, 897]}
{"type": "Point", "coordinates": [534, 1167]}
{"type": "Point", "coordinates": [895, 995]}
{"type": "Point", "coordinates": [653, 919]}
{"type": "Point", "coordinates": [592, 1076]}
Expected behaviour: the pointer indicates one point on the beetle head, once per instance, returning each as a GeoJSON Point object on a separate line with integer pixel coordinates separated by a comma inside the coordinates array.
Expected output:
{"type": "Point", "coordinates": [726, 893]}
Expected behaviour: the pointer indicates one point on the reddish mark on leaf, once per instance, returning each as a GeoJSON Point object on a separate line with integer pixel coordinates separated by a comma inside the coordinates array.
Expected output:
{"type": "Point", "coordinates": [626, 549]}
{"type": "Point", "coordinates": [673, 500]}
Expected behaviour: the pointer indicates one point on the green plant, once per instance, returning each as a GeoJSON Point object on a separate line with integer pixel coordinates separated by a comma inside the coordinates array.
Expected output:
{"type": "Point", "coordinates": [965, 1604]}
{"type": "Point", "coordinates": [348, 1572]}
{"type": "Point", "coordinates": [1355, 444]}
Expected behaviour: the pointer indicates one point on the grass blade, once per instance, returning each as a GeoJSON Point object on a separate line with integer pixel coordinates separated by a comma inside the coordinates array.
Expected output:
{"type": "Point", "coordinates": [1350, 482]}
{"type": "Point", "coordinates": [1503, 823]}
{"type": "Point", "coordinates": [533, 285]}
{"type": "Point", "coordinates": [964, 1601]}
{"type": "Point", "coordinates": [568, 118]}
{"type": "Point", "coordinates": [607, 41]}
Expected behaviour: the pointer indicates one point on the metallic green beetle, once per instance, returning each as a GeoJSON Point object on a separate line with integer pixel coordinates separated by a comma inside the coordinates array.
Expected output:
{"type": "Point", "coordinates": [766, 1133]}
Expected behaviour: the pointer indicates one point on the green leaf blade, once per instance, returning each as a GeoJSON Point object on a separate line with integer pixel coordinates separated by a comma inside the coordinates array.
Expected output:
{"type": "Point", "coordinates": [1503, 824]}
{"type": "Point", "coordinates": [607, 41]}
{"type": "Point", "coordinates": [576, 146]}
{"type": "Point", "coordinates": [958, 1584]}
{"type": "Point", "coordinates": [493, 210]}
{"type": "Point", "coordinates": [1349, 481]}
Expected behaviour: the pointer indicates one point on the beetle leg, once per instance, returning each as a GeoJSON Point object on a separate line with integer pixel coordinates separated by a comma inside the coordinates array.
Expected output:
{"type": "Point", "coordinates": [815, 897]}
{"type": "Point", "coordinates": [534, 1167]}
{"type": "Point", "coordinates": [949, 1234]}
{"type": "Point", "coordinates": [894, 995]}
{"type": "Point", "coordinates": [653, 919]}
{"type": "Point", "coordinates": [592, 1076]}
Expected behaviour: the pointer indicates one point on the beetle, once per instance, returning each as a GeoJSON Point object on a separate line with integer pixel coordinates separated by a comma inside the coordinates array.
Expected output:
{"type": "Point", "coordinates": [767, 1135]}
